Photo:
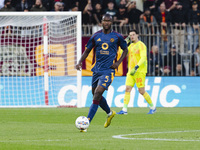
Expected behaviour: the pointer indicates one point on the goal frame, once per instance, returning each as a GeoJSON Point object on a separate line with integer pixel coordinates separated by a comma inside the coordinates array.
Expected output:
{"type": "Point", "coordinates": [79, 49]}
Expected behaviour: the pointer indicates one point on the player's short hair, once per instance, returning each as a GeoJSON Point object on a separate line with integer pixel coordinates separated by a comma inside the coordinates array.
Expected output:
{"type": "Point", "coordinates": [134, 30]}
{"type": "Point", "coordinates": [107, 16]}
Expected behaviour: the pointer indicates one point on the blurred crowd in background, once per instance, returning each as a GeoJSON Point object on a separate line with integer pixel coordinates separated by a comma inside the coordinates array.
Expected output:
{"type": "Point", "coordinates": [123, 11]}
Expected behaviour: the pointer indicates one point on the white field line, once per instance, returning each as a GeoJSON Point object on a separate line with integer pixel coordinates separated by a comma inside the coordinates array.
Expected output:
{"type": "Point", "coordinates": [124, 136]}
{"type": "Point", "coordinates": [41, 140]}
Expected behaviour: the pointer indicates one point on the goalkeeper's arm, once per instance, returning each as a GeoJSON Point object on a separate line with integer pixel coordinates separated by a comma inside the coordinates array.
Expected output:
{"type": "Point", "coordinates": [133, 71]}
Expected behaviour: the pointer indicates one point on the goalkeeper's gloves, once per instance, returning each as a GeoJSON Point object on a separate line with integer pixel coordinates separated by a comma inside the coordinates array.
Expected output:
{"type": "Point", "coordinates": [133, 71]}
{"type": "Point", "coordinates": [128, 40]}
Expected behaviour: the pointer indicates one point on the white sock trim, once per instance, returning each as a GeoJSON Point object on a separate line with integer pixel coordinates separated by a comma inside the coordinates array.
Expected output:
{"type": "Point", "coordinates": [124, 109]}
{"type": "Point", "coordinates": [110, 113]}
{"type": "Point", "coordinates": [152, 107]}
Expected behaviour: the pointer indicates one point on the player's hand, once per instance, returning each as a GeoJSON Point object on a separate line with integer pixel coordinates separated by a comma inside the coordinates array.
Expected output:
{"type": "Point", "coordinates": [128, 40]}
{"type": "Point", "coordinates": [114, 66]}
{"type": "Point", "coordinates": [133, 71]}
{"type": "Point", "coordinates": [79, 66]}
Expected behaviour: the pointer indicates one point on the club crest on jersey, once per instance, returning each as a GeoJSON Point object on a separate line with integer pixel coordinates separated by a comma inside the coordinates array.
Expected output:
{"type": "Point", "coordinates": [112, 40]}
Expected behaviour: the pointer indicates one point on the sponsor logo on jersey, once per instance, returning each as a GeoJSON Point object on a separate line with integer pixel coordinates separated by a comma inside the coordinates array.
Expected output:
{"type": "Point", "coordinates": [104, 46]}
{"type": "Point", "coordinates": [104, 52]}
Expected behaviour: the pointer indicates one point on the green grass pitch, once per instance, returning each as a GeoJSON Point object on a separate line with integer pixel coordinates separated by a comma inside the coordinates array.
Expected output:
{"type": "Point", "coordinates": [54, 129]}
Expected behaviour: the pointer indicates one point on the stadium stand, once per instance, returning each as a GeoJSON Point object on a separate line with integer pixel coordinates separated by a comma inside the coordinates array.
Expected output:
{"type": "Point", "coordinates": [163, 27]}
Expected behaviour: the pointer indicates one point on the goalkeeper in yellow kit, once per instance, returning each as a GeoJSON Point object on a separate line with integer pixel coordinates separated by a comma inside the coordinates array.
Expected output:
{"type": "Point", "coordinates": [137, 69]}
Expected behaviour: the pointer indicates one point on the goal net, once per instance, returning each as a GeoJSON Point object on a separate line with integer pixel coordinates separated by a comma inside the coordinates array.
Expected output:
{"type": "Point", "coordinates": [38, 54]}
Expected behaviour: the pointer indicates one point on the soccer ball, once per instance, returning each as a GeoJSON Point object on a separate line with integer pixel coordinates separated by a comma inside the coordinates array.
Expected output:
{"type": "Point", "coordinates": [82, 123]}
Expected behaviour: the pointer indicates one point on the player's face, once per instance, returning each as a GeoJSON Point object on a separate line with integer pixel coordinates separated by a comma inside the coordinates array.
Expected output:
{"type": "Point", "coordinates": [155, 49]}
{"type": "Point", "coordinates": [173, 51]}
{"type": "Point", "coordinates": [106, 23]}
{"type": "Point", "coordinates": [162, 7]}
{"type": "Point", "coordinates": [133, 36]}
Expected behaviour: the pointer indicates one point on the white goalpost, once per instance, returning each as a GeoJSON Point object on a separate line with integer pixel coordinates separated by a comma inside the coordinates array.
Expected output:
{"type": "Point", "coordinates": [38, 54]}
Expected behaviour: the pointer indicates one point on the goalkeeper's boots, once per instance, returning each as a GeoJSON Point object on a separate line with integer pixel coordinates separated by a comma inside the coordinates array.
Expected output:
{"type": "Point", "coordinates": [109, 118]}
{"type": "Point", "coordinates": [122, 112]}
{"type": "Point", "coordinates": [152, 111]}
{"type": "Point", "coordinates": [83, 130]}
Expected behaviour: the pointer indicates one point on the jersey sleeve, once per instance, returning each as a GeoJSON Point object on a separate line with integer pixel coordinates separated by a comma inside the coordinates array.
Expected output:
{"type": "Point", "coordinates": [90, 43]}
{"type": "Point", "coordinates": [121, 51]}
{"type": "Point", "coordinates": [123, 43]}
{"type": "Point", "coordinates": [143, 54]}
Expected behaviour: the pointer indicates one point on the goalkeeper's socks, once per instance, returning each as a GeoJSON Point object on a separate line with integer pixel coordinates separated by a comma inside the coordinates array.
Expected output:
{"type": "Point", "coordinates": [93, 110]}
{"type": "Point", "coordinates": [148, 99]}
{"type": "Point", "coordinates": [125, 108]}
{"type": "Point", "coordinates": [126, 101]}
{"type": "Point", "coordinates": [104, 105]}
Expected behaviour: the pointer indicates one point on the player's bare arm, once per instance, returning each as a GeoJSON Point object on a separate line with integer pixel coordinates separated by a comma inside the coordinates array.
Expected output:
{"type": "Point", "coordinates": [83, 57]}
{"type": "Point", "coordinates": [116, 64]}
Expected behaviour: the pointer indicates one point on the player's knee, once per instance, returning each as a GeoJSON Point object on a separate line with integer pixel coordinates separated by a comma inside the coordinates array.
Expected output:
{"type": "Point", "coordinates": [141, 91]}
{"type": "Point", "coordinates": [97, 96]}
{"type": "Point", "coordinates": [128, 88]}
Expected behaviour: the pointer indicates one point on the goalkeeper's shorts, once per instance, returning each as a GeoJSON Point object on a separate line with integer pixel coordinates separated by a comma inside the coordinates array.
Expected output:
{"type": "Point", "coordinates": [138, 78]}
